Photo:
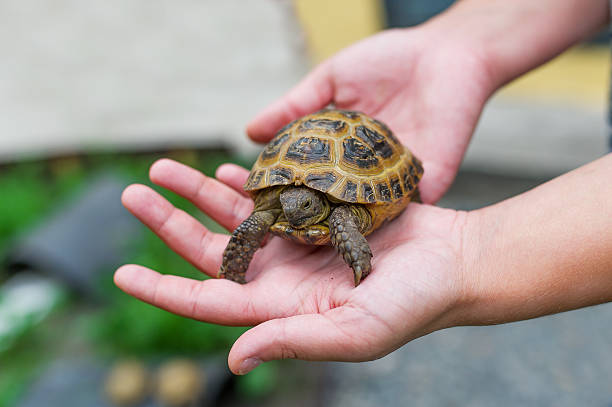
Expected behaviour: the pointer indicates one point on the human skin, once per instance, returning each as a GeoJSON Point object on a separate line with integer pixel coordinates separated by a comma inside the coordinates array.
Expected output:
{"type": "Point", "coordinates": [544, 251]}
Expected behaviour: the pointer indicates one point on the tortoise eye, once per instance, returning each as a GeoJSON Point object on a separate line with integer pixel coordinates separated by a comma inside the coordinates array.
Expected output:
{"type": "Point", "coordinates": [306, 205]}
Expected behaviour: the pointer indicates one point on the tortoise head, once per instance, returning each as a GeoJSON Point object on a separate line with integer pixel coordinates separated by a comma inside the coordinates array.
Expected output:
{"type": "Point", "coordinates": [304, 206]}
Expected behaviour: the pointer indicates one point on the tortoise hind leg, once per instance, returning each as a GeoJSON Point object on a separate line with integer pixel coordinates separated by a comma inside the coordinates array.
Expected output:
{"type": "Point", "coordinates": [245, 240]}
{"type": "Point", "coordinates": [345, 233]}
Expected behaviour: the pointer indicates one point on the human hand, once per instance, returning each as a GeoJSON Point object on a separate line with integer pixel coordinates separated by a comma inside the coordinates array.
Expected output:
{"type": "Point", "coordinates": [429, 89]}
{"type": "Point", "coordinates": [301, 298]}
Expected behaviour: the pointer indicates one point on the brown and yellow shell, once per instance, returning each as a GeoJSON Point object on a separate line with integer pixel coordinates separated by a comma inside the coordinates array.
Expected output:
{"type": "Point", "coordinates": [347, 155]}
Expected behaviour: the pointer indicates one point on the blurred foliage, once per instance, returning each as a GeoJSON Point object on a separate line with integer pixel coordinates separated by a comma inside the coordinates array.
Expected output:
{"type": "Point", "coordinates": [16, 373]}
{"type": "Point", "coordinates": [130, 327]}
{"type": "Point", "coordinates": [25, 195]}
{"type": "Point", "coordinates": [29, 190]}
{"type": "Point", "coordinates": [124, 326]}
{"type": "Point", "coordinates": [260, 382]}
{"type": "Point", "coordinates": [26, 360]}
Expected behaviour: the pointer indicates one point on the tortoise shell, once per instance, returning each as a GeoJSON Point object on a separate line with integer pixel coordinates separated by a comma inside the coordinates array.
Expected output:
{"type": "Point", "coordinates": [347, 155]}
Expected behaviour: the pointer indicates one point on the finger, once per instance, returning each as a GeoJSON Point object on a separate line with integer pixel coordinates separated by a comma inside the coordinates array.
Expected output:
{"type": "Point", "coordinates": [334, 335]}
{"type": "Point", "coordinates": [217, 301]}
{"type": "Point", "coordinates": [181, 232]}
{"type": "Point", "coordinates": [233, 176]}
{"type": "Point", "coordinates": [313, 93]}
{"type": "Point", "coordinates": [436, 180]}
{"type": "Point", "coordinates": [216, 199]}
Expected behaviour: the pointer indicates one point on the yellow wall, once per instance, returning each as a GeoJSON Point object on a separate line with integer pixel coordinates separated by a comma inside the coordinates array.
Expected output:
{"type": "Point", "coordinates": [331, 25]}
{"type": "Point", "coordinates": [578, 76]}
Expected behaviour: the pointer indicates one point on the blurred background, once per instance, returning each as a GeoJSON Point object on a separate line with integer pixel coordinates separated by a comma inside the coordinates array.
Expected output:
{"type": "Point", "coordinates": [92, 93]}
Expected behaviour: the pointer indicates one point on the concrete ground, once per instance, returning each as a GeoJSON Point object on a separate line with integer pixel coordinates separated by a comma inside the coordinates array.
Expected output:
{"type": "Point", "coordinates": [561, 360]}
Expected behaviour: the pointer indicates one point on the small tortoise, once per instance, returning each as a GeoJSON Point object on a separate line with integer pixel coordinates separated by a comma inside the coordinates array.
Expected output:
{"type": "Point", "coordinates": [332, 177]}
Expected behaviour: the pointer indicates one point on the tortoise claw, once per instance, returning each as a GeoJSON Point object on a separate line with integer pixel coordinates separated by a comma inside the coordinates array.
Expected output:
{"type": "Point", "coordinates": [358, 274]}
{"type": "Point", "coordinates": [237, 277]}
{"type": "Point", "coordinates": [351, 244]}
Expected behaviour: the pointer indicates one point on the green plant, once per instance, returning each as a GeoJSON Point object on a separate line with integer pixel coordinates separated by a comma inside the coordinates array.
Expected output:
{"type": "Point", "coordinates": [124, 326]}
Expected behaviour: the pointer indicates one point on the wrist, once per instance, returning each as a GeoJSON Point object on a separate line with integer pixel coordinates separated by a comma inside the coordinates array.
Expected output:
{"type": "Point", "coordinates": [473, 295]}
{"type": "Point", "coordinates": [536, 254]}
{"type": "Point", "coordinates": [465, 296]}
{"type": "Point", "coordinates": [493, 292]}
{"type": "Point", "coordinates": [462, 36]}
{"type": "Point", "coordinates": [512, 38]}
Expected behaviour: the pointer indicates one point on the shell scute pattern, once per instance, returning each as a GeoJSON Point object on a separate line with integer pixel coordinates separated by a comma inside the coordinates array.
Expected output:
{"type": "Point", "coordinates": [306, 150]}
{"type": "Point", "coordinates": [321, 181]}
{"type": "Point", "coordinates": [357, 154]}
{"type": "Point", "coordinates": [386, 131]}
{"type": "Point", "coordinates": [349, 192]}
{"type": "Point", "coordinates": [273, 147]}
{"type": "Point", "coordinates": [280, 175]}
{"type": "Point", "coordinates": [396, 188]}
{"type": "Point", "coordinates": [375, 140]}
{"type": "Point", "coordinates": [329, 125]}
{"type": "Point", "coordinates": [367, 193]}
{"type": "Point", "coordinates": [346, 154]}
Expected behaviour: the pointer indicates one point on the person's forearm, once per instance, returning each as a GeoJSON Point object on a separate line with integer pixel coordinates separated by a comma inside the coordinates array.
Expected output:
{"type": "Point", "coordinates": [515, 36]}
{"type": "Point", "coordinates": [545, 251]}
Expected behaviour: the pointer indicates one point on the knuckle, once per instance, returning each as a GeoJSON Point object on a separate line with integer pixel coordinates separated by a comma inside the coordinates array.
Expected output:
{"type": "Point", "coordinates": [193, 300]}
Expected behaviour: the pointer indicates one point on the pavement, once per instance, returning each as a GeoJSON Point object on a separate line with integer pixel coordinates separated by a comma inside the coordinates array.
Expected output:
{"type": "Point", "coordinates": [563, 360]}
{"type": "Point", "coordinates": [532, 138]}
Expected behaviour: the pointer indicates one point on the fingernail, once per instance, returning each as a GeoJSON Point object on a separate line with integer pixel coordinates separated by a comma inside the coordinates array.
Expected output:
{"type": "Point", "coordinates": [248, 365]}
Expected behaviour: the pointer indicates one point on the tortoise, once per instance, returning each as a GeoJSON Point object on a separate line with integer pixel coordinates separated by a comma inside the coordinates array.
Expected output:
{"type": "Point", "coordinates": [331, 177]}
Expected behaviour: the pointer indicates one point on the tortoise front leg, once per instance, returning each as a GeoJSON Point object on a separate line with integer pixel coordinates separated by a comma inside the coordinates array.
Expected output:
{"type": "Point", "coordinates": [249, 236]}
{"type": "Point", "coordinates": [245, 240]}
{"type": "Point", "coordinates": [345, 225]}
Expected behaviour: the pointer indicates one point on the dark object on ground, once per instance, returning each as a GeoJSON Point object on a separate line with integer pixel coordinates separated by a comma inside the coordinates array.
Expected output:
{"type": "Point", "coordinates": [83, 241]}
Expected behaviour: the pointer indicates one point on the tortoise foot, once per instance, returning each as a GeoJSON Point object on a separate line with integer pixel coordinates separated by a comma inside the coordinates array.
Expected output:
{"type": "Point", "coordinates": [351, 244]}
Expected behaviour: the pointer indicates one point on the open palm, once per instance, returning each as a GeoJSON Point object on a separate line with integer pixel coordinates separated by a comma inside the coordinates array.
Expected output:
{"type": "Point", "coordinates": [301, 298]}
{"type": "Point", "coordinates": [429, 90]}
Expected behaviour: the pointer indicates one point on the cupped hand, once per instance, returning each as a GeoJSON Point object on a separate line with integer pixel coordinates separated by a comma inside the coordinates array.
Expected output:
{"type": "Point", "coordinates": [428, 88]}
{"type": "Point", "coordinates": [301, 299]}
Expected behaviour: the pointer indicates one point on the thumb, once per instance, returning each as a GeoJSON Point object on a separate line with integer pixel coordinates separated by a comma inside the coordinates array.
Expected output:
{"type": "Point", "coordinates": [329, 336]}
{"type": "Point", "coordinates": [313, 93]}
